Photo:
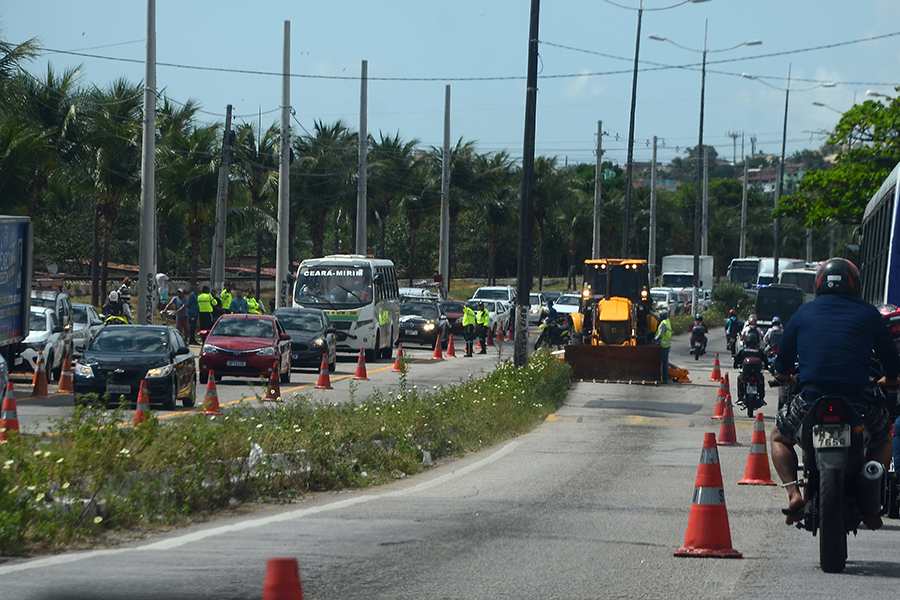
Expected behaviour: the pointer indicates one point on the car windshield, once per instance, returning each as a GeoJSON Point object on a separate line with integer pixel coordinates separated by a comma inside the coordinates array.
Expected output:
{"type": "Point", "coordinates": [568, 300]}
{"type": "Point", "coordinates": [659, 296]}
{"type": "Point", "coordinates": [301, 321]}
{"type": "Point", "coordinates": [81, 314]}
{"type": "Point", "coordinates": [345, 286]}
{"type": "Point", "coordinates": [492, 294]}
{"type": "Point", "coordinates": [490, 306]}
{"type": "Point", "coordinates": [129, 339]}
{"type": "Point", "coordinates": [419, 309]}
{"type": "Point", "coordinates": [38, 321]}
{"type": "Point", "coordinates": [248, 328]}
{"type": "Point", "coordinates": [535, 299]}
{"type": "Point", "coordinates": [453, 307]}
{"type": "Point", "coordinates": [44, 302]}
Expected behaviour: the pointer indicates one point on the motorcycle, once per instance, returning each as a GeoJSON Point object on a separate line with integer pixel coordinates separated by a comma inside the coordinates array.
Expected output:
{"type": "Point", "coordinates": [841, 488]}
{"type": "Point", "coordinates": [751, 386]}
{"type": "Point", "coordinates": [115, 319]}
{"type": "Point", "coordinates": [698, 341]}
{"type": "Point", "coordinates": [553, 334]}
{"type": "Point", "coordinates": [730, 345]}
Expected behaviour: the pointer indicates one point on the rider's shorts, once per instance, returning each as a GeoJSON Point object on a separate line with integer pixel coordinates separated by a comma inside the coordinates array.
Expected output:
{"type": "Point", "coordinates": [874, 415]}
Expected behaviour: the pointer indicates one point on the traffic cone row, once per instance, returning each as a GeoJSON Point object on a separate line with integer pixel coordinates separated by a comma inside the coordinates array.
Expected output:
{"type": "Point", "coordinates": [717, 370]}
{"type": "Point", "coordinates": [273, 390]}
{"type": "Point", "coordinates": [708, 533]}
{"type": "Point", "coordinates": [143, 404]}
{"type": "Point", "coordinates": [40, 378]}
{"type": "Point", "coordinates": [727, 433]}
{"type": "Point", "coordinates": [211, 400]}
{"type": "Point", "coordinates": [9, 418]}
{"type": "Point", "coordinates": [324, 382]}
{"type": "Point", "coordinates": [720, 399]}
{"type": "Point", "coordinates": [757, 471]}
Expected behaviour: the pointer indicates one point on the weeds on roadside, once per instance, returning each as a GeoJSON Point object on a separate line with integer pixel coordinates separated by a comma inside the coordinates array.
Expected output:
{"type": "Point", "coordinates": [100, 475]}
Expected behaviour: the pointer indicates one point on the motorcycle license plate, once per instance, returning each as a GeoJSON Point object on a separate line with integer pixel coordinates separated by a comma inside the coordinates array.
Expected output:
{"type": "Point", "coordinates": [831, 436]}
{"type": "Point", "coordinates": [118, 389]}
{"type": "Point", "coordinates": [236, 363]}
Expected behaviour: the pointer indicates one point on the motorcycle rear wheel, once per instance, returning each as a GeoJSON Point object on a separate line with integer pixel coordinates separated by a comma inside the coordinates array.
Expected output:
{"type": "Point", "coordinates": [832, 536]}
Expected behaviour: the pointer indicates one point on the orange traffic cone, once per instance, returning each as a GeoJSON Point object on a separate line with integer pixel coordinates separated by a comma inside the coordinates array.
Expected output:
{"type": "Point", "coordinates": [708, 534]}
{"type": "Point", "coordinates": [438, 355]}
{"type": "Point", "coordinates": [451, 349]}
{"type": "Point", "coordinates": [65, 385]}
{"type": "Point", "coordinates": [720, 402]}
{"type": "Point", "coordinates": [9, 418]}
{"type": "Point", "coordinates": [490, 339]}
{"type": "Point", "coordinates": [282, 580]}
{"type": "Point", "coordinates": [727, 433]}
{"type": "Point", "coordinates": [273, 390]}
{"type": "Point", "coordinates": [717, 370]}
{"type": "Point", "coordinates": [757, 470]}
{"type": "Point", "coordinates": [37, 367]}
{"type": "Point", "coordinates": [211, 401]}
{"type": "Point", "coordinates": [143, 403]}
{"type": "Point", "coordinates": [40, 378]}
{"type": "Point", "coordinates": [324, 382]}
{"type": "Point", "coordinates": [400, 363]}
{"type": "Point", "coordinates": [501, 336]}
{"type": "Point", "coordinates": [361, 374]}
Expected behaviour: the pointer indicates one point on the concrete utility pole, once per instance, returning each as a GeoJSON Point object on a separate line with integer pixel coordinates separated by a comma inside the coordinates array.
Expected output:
{"type": "Point", "coordinates": [444, 255]}
{"type": "Point", "coordinates": [282, 259]}
{"type": "Point", "coordinates": [734, 135]}
{"type": "Point", "coordinates": [146, 285]}
{"type": "Point", "coordinates": [363, 175]}
{"type": "Point", "coordinates": [526, 218]}
{"type": "Point", "coordinates": [779, 184]}
{"type": "Point", "coordinates": [705, 249]}
{"type": "Point", "coordinates": [598, 185]}
{"type": "Point", "coordinates": [743, 250]}
{"type": "Point", "coordinates": [651, 253]}
{"type": "Point", "coordinates": [217, 272]}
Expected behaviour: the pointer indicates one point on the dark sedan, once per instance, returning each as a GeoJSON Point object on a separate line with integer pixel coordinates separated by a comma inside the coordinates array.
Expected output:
{"type": "Point", "coordinates": [423, 322]}
{"type": "Point", "coordinates": [246, 346]}
{"type": "Point", "coordinates": [120, 356]}
{"type": "Point", "coordinates": [311, 336]}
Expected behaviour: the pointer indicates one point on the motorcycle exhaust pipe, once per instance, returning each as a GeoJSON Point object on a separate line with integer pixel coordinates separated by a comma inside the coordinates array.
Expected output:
{"type": "Point", "coordinates": [871, 489]}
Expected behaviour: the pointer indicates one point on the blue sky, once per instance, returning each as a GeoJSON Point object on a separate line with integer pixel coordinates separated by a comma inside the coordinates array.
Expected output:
{"type": "Point", "coordinates": [480, 49]}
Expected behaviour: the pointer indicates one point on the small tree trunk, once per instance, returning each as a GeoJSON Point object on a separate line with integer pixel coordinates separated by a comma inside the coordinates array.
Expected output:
{"type": "Point", "coordinates": [95, 257]}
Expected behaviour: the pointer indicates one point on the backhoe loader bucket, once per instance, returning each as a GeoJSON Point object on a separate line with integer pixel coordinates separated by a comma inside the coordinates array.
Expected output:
{"type": "Point", "coordinates": [615, 364]}
{"type": "Point", "coordinates": [678, 374]}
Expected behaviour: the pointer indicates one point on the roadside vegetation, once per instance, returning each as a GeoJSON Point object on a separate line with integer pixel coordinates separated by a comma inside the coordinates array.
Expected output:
{"type": "Point", "coordinates": [99, 479]}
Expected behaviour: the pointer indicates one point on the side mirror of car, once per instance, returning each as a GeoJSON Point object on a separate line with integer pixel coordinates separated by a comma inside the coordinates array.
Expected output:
{"type": "Point", "coordinates": [332, 331]}
{"type": "Point", "coordinates": [284, 336]}
{"type": "Point", "coordinates": [182, 351]}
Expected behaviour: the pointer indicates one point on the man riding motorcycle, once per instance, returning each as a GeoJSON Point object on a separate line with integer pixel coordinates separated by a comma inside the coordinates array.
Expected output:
{"type": "Point", "coordinates": [732, 329]}
{"type": "Point", "coordinates": [696, 328]}
{"type": "Point", "coordinates": [751, 361]}
{"type": "Point", "coordinates": [773, 337]}
{"type": "Point", "coordinates": [751, 326]}
{"type": "Point", "coordinates": [834, 361]}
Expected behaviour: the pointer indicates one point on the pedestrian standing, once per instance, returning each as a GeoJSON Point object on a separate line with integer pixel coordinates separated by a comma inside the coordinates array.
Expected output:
{"type": "Point", "coordinates": [217, 305]}
{"type": "Point", "coordinates": [125, 297]}
{"type": "Point", "coordinates": [162, 288]}
{"type": "Point", "coordinates": [193, 308]}
{"type": "Point", "coordinates": [468, 321]}
{"type": "Point", "coordinates": [226, 298]}
{"type": "Point", "coordinates": [664, 337]}
{"type": "Point", "coordinates": [178, 306]}
{"type": "Point", "coordinates": [205, 303]}
{"type": "Point", "coordinates": [484, 323]}
{"type": "Point", "coordinates": [239, 303]}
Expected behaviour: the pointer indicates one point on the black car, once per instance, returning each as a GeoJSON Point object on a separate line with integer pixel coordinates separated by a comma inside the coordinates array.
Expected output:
{"type": "Point", "coordinates": [121, 356]}
{"type": "Point", "coordinates": [312, 335]}
{"type": "Point", "coordinates": [777, 300]}
{"type": "Point", "coordinates": [423, 322]}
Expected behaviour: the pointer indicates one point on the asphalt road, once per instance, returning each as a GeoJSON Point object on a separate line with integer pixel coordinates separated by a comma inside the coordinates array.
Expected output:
{"type": "Point", "coordinates": [591, 504]}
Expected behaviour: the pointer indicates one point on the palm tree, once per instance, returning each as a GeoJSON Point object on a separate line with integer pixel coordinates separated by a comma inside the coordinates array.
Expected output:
{"type": "Point", "coordinates": [12, 55]}
{"type": "Point", "coordinates": [391, 165]}
{"type": "Point", "coordinates": [495, 201]}
{"type": "Point", "coordinates": [549, 187]}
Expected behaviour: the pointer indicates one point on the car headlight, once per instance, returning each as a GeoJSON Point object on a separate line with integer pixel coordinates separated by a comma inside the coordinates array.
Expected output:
{"type": "Point", "coordinates": [535, 311]}
{"type": "Point", "coordinates": [364, 323]}
{"type": "Point", "coordinates": [267, 351]}
{"type": "Point", "coordinates": [318, 342]}
{"type": "Point", "coordinates": [83, 370]}
{"type": "Point", "coordinates": [209, 349]}
{"type": "Point", "coordinates": [428, 326]}
{"type": "Point", "coordinates": [159, 372]}
{"type": "Point", "coordinates": [80, 334]}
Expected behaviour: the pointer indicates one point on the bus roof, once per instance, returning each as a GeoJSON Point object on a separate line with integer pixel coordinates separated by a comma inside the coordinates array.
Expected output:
{"type": "Point", "coordinates": [876, 199]}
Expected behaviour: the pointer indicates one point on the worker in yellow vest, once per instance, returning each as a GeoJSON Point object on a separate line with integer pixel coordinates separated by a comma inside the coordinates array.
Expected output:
{"type": "Point", "coordinates": [206, 302]}
{"type": "Point", "coordinates": [253, 306]}
{"type": "Point", "coordinates": [226, 298]}
{"type": "Point", "coordinates": [484, 323]}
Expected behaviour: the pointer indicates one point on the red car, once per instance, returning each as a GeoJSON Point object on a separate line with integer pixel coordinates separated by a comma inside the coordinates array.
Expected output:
{"type": "Point", "coordinates": [454, 312]}
{"type": "Point", "coordinates": [246, 346]}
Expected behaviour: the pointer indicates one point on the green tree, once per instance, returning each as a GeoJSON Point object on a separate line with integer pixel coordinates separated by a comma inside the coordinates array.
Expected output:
{"type": "Point", "coordinates": [392, 162]}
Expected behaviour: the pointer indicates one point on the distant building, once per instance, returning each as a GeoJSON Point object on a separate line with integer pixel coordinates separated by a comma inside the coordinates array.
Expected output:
{"type": "Point", "coordinates": [764, 179]}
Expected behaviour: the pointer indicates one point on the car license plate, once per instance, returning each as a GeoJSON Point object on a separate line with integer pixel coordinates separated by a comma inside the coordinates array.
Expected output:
{"type": "Point", "coordinates": [118, 389]}
{"type": "Point", "coordinates": [831, 436]}
{"type": "Point", "coordinates": [236, 363]}
{"type": "Point", "coordinates": [412, 332]}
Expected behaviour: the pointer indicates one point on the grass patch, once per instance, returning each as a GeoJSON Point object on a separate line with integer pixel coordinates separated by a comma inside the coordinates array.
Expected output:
{"type": "Point", "coordinates": [99, 478]}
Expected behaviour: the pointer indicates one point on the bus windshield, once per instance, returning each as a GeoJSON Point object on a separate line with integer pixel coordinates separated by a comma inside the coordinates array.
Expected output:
{"type": "Point", "coordinates": [335, 286]}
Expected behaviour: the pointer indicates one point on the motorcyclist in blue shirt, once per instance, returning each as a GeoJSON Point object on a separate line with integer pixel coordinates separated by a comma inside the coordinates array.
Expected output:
{"type": "Point", "coordinates": [833, 359]}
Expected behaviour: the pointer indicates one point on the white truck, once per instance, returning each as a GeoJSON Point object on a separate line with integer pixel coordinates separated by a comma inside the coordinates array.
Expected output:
{"type": "Point", "coordinates": [678, 272]}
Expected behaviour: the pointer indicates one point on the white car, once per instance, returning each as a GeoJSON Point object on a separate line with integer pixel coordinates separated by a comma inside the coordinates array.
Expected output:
{"type": "Point", "coordinates": [87, 322]}
{"type": "Point", "coordinates": [45, 335]}
{"type": "Point", "coordinates": [567, 304]}
{"type": "Point", "coordinates": [537, 302]}
{"type": "Point", "coordinates": [500, 293]}
{"type": "Point", "coordinates": [497, 312]}
{"type": "Point", "coordinates": [665, 299]}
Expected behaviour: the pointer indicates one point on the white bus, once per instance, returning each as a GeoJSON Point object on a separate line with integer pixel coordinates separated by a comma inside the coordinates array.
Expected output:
{"type": "Point", "coordinates": [360, 296]}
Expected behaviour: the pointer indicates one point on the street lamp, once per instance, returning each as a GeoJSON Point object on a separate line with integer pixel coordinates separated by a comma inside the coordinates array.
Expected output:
{"type": "Point", "coordinates": [629, 165]}
{"type": "Point", "coordinates": [875, 94]}
{"type": "Point", "coordinates": [831, 108]}
{"type": "Point", "coordinates": [698, 204]}
{"type": "Point", "coordinates": [779, 184]}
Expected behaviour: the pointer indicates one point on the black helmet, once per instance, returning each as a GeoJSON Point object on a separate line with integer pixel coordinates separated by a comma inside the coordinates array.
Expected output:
{"type": "Point", "coordinates": [776, 320]}
{"type": "Point", "coordinates": [699, 317]}
{"type": "Point", "coordinates": [837, 276]}
{"type": "Point", "coordinates": [752, 340]}
{"type": "Point", "coordinates": [663, 315]}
